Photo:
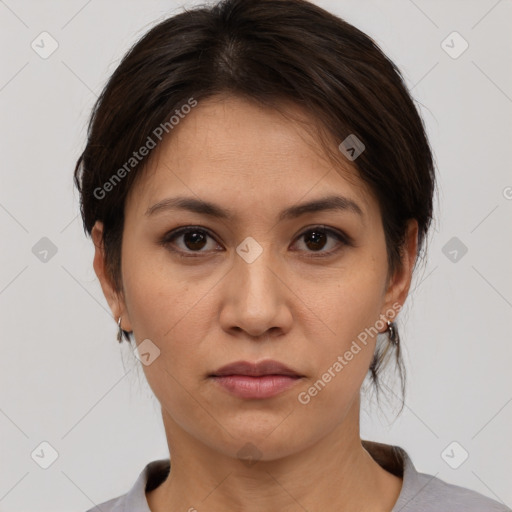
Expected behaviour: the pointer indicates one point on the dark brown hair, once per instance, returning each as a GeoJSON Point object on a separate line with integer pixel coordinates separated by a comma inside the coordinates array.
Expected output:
{"type": "Point", "coordinates": [271, 52]}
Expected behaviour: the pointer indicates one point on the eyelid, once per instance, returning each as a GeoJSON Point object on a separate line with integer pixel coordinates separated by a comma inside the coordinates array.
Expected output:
{"type": "Point", "coordinates": [340, 236]}
{"type": "Point", "coordinates": [169, 236]}
{"type": "Point", "coordinates": [337, 233]}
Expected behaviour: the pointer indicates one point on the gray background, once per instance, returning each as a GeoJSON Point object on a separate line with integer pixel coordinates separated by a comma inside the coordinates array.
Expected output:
{"type": "Point", "coordinates": [65, 381]}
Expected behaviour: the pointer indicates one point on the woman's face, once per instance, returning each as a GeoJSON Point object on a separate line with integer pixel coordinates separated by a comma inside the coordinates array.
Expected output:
{"type": "Point", "coordinates": [268, 280]}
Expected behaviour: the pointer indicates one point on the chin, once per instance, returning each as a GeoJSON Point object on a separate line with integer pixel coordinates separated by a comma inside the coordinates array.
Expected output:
{"type": "Point", "coordinates": [262, 441]}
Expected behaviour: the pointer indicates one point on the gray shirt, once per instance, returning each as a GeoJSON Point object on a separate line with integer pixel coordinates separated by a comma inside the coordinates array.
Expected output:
{"type": "Point", "coordinates": [420, 492]}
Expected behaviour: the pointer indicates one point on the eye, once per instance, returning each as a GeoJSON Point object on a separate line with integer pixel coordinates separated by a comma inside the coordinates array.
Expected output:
{"type": "Point", "coordinates": [317, 238]}
{"type": "Point", "coordinates": [193, 240]}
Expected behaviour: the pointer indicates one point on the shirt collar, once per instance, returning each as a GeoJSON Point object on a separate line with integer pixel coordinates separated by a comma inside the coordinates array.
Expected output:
{"type": "Point", "coordinates": [391, 457]}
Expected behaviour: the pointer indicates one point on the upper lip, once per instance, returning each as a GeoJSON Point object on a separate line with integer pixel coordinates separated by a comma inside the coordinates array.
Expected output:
{"type": "Point", "coordinates": [268, 367]}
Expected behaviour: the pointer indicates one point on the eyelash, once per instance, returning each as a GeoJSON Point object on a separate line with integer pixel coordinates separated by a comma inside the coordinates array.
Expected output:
{"type": "Point", "coordinates": [172, 235]}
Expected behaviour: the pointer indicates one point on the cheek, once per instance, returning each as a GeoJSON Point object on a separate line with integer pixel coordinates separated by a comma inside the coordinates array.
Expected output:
{"type": "Point", "coordinates": [350, 307]}
{"type": "Point", "coordinates": [352, 303]}
{"type": "Point", "coordinates": [158, 297]}
{"type": "Point", "coordinates": [171, 311]}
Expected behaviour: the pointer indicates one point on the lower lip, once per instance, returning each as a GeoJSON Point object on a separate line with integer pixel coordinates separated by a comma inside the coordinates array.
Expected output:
{"type": "Point", "coordinates": [265, 386]}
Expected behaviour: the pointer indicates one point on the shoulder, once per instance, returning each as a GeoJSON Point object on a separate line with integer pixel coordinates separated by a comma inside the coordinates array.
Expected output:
{"type": "Point", "coordinates": [423, 492]}
{"type": "Point", "coordinates": [432, 493]}
{"type": "Point", "coordinates": [426, 493]}
{"type": "Point", "coordinates": [113, 505]}
{"type": "Point", "coordinates": [134, 500]}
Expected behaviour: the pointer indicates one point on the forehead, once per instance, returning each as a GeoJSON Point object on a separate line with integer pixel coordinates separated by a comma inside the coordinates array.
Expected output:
{"type": "Point", "coordinates": [238, 153]}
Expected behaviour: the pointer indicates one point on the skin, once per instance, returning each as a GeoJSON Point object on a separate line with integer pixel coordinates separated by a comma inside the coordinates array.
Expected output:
{"type": "Point", "coordinates": [289, 305]}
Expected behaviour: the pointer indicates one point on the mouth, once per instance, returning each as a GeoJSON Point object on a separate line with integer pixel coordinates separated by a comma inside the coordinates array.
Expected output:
{"type": "Point", "coordinates": [261, 369]}
{"type": "Point", "coordinates": [256, 380]}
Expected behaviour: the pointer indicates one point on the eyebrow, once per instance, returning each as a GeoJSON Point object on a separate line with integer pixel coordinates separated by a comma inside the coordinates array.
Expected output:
{"type": "Point", "coordinates": [328, 203]}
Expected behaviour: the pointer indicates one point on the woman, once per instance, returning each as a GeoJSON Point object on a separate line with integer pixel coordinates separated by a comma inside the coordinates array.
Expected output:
{"type": "Point", "coordinates": [259, 187]}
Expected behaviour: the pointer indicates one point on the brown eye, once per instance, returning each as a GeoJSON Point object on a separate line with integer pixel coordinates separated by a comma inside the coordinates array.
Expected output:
{"type": "Point", "coordinates": [194, 240]}
{"type": "Point", "coordinates": [316, 239]}
{"type": "Point", "coordinates": [189, 240]}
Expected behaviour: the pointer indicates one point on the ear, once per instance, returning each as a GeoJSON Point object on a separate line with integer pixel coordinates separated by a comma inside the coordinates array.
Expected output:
{"type": "Point", "coordinates": [114, 298]}
{"type": "Point", "coordinates": [399, 284]}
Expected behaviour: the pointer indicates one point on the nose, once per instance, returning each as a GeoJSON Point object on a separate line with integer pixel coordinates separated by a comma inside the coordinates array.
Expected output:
{"type": "Point", "coordinates": [256, 299]}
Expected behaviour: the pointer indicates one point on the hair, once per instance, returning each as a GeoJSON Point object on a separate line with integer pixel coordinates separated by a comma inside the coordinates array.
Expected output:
{"type": "Point", "coordinates": [272, 52]}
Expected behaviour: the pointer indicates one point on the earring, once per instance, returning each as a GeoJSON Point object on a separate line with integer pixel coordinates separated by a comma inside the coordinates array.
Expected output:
{"type": "Point", "coordinates": [392, 333]}
{"type": "Point", "coordinates": [119, 331]}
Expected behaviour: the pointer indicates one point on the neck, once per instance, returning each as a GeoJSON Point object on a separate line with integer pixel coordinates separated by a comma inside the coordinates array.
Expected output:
{"type": "Point", "coordinates": [202, 478]}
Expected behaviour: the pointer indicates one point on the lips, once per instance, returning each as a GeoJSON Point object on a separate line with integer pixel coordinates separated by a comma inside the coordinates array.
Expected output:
{"type": "Point", "coordinates": [262, 380]}
{"type": "Point", "coordinates": [268, 367]}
